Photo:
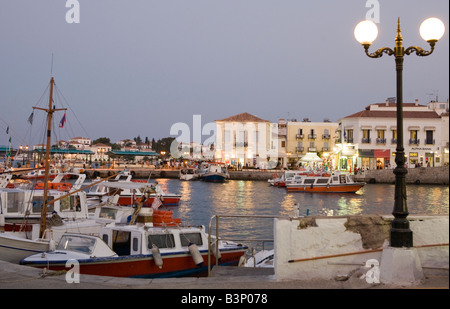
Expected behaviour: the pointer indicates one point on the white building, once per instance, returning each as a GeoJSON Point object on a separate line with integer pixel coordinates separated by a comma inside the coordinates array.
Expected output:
{"type": "Point", "coordinates": [81, 143]}
{"type": "Point", "coordinates": [246, 140]}
{"type": "Point", "coordinates": [368, 139]}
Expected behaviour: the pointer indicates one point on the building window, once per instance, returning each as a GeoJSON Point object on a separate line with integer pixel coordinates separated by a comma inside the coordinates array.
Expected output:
{"type": "Point", "coordinates": [429, 137]}
{"type": "Point", "coordinates": [365, 137]}
{"type": "Point", "coordinates": [350, 136]}
{"type": "Point", "coordinates": [413, 137]}
{"type": "Point", "coordinates": [394, 137]}
{"type": "Point", "coordinates": [380, 137]}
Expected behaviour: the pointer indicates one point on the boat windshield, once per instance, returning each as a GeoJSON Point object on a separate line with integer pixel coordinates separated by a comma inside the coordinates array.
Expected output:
{"type": "Point", "coordinates": [76, 243]}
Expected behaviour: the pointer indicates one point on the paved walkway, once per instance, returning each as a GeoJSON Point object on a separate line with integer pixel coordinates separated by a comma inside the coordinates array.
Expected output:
{"type": "Point", "coordinates": [14, 276]}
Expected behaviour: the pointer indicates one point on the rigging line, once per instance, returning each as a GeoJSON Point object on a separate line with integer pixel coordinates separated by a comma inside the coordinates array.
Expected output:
{"type": "Point", "coordinates": [70, 108]}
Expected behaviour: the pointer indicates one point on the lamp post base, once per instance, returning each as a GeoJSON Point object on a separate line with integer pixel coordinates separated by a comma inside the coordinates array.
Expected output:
{"type": "Point", "coordinates": [401, 266]}
{"type": "Point", "coordinates": [401, 238]}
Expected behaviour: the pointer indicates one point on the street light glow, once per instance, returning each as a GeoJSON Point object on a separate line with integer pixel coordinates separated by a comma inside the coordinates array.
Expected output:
{"type": "Point", "coordinates": [432, 29]}
{"type": "Point", "coordinates": [366, 32]}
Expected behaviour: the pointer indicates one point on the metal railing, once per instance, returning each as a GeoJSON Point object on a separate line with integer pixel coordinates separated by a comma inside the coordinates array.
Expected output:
{"type": "Point", "coordinates": [215, 243]}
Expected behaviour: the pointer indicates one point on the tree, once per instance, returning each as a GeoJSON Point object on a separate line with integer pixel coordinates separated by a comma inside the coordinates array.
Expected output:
{"type": "Point", "coordinates": [102, 140]}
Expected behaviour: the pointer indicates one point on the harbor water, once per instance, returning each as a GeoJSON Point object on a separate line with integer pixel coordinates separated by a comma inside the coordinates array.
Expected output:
{"type": "Point", "coordinates": [202, 200]}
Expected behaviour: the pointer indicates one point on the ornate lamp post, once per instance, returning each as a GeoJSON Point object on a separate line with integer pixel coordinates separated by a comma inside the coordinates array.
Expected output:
{"type": "Point", "coordinates": [366, 32]}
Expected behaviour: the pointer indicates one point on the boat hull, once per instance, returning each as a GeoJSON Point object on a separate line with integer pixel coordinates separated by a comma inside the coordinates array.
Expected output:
{"type": "Point", "coordinates": [143, 266]}
{"type": "Point", "coordinates": [341, 188]}
{"type": "Point", "coordinates": [167, 200]}
{"type": "Point", "coordinates": [13, 249]}
{"type": "Point", "coordinates": [214, 178]}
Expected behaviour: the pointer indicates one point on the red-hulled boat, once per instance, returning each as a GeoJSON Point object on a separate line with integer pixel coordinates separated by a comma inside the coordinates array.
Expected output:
{"type": "Point", "coordinates": [138, 250]}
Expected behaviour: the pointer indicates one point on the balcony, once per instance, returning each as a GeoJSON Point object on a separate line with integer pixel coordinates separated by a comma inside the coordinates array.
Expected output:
{"type": "Point", "coordinates": [429, 142]}
{"type": "Point", "coordinates": [325, 136]}
{"type": "Point", "coordinates": [299, 149]}
{"type": "Point", "coordinates": [393, 141]}
{"type": "Point", "coordinates": [381, 141]}
{"type": "Point", "coordinates": [312, 149]}
{"type": "Point", "coordinates": [325, 148]}
{"type": "Point", "coordinates": [299, 136]}
{"type": "Point", "coordinates": [414, 141]}
{"type": "Point", "coordinates": [365, 141]}
{"type": "Point", "coordinates": [312, 136]}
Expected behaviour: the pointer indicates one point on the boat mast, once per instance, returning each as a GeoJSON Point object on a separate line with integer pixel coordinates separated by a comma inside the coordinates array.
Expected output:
{"type": "Point", "coordinates": [50, 112]}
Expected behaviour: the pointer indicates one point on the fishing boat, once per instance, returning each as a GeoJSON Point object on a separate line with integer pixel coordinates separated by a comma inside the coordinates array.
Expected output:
{"type": "Point", "coordinates": [140, 250]}
{"type": "Point", "coordinates": [189, 173]}
{"type": "Point", "coordinates": [129, 190]}
{"type": "Point", "coordinates": [336, 183]}
{"type": "Point", "coordinates": [214, 172]}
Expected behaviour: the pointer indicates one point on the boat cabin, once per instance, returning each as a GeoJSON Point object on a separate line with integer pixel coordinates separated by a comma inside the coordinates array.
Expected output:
{"type": "Point", "coordinates": [139, 239]}
{"type": "Point", "coordinates": [18, 204]}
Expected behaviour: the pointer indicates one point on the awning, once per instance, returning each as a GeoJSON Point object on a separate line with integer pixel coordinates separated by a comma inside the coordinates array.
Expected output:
{"type": "Point", "coordinates": [311, 157]}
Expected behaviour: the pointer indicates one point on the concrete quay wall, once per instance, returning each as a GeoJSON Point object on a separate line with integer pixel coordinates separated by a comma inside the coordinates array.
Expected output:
{"type": "Point", "coordinates": [333, 247]}
{"type": "Point", "coordinates": [174, 173]}
{"type": "Point", "coordinates": [420, 175]}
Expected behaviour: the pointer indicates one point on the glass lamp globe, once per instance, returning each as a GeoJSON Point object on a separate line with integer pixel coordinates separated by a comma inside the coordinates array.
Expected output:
{"type": "Point", "coordinates": [366, 32]}
{"type": "Point", "coordinates": [432, 29]}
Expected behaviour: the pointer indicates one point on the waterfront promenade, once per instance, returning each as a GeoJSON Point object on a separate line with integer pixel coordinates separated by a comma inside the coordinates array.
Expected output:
{"type": "Point", "coordinates": [14, 276]}
{"type": "Point", "coordinates": [422, 175]}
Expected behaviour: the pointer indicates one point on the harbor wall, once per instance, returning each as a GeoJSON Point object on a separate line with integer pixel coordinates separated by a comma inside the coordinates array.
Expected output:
{"type": "Point", "coordinates": [337, 247]}
{"type": "Point", "coordinates": [421, 175]}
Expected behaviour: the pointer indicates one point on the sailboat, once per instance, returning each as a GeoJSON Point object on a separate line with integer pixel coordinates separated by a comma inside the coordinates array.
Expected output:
{"type": "Point", "coordinates": [24, 227]}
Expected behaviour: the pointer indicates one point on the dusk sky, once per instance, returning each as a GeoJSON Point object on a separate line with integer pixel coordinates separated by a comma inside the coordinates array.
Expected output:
{"type": "Point", "coordinates": [137, 67]}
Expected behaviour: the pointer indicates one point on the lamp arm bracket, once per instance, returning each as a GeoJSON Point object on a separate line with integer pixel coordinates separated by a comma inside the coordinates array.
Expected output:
{"type": "Point", "coordinates": [379, 52]}
{"type": "Point", "coordinates": [420, 51]}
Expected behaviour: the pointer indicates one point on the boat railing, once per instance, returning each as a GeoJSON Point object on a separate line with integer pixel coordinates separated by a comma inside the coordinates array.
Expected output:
{"type": "Point", "coordinates": [214, 245]}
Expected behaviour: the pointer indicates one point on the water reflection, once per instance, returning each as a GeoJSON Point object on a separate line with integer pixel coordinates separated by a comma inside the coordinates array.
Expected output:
{"type": "Point", "coordinates": [202, 200]}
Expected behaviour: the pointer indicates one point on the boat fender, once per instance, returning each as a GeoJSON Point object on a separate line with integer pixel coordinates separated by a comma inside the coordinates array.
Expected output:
{"type": "Point", "coordinates": [242, 261]}
{"type": "Point", "coordinates": [195, 253]}
{"type": "Point", "coordinates": [328, 186]}
{"type": "Point", "coordinates": [52, 245]}
{"type": "Point", "coordinates": [216, 252]}
{"type": "Point", "coordinates": [157, 256]}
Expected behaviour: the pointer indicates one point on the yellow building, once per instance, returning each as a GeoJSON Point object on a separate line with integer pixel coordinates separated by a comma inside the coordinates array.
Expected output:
{"type": "Point", "coordinates": [310, 137]}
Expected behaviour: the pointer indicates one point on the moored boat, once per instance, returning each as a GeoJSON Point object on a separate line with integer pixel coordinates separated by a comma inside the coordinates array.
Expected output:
{"type": "Point", "coordinates": [130, 190]}
{"type": "Point", "coordinates": [214, 172]}
{"type": "Point", "coordinates": [336, 183]}
{"type": "Point", "coordinates": [189, 173]}
{"type": "Point", "coordinates": [138, 250]}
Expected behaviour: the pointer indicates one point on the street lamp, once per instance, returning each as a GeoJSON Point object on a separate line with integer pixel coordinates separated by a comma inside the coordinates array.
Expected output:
{"type": "Point", "coordinates": [366, 32]}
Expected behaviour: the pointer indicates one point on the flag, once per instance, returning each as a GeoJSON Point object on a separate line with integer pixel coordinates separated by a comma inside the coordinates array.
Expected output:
{"type": "Point", "coordinates": [156, 203]}
{"type": "Point", "coordinates": [30, 119]}
{"type": "Point", "coordinates": [7, 130]}
{"type": "Point", "coordinates": [63, 121]}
